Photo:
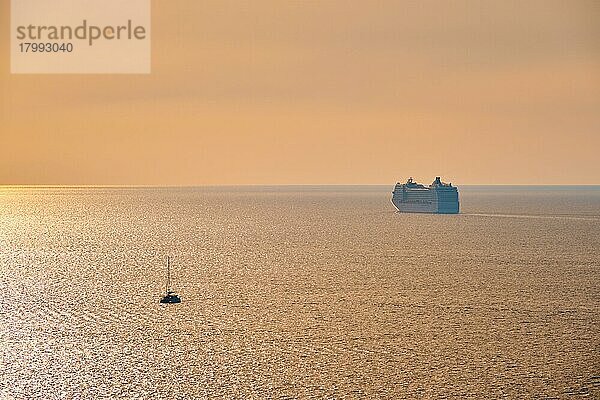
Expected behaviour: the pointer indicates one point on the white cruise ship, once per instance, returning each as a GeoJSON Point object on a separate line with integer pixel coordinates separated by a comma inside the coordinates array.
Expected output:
{"type": "Point", "coordinates": [437, 198]}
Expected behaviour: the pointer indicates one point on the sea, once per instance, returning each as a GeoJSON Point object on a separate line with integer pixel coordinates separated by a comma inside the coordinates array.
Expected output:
{"type": "Point", "coordinates": [308, 292]}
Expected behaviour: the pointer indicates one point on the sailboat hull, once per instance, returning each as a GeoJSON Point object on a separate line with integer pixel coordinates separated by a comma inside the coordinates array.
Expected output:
{"type": "Point", "coordinates": [170, 299]}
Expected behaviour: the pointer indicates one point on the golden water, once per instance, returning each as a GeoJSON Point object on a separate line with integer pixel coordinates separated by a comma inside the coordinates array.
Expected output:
{"type": "Point", "coordinates": [298, 292]}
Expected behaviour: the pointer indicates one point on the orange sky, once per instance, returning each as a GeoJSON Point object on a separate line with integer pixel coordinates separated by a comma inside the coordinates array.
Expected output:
{"type": "Point", "coordinates": [322, 92]}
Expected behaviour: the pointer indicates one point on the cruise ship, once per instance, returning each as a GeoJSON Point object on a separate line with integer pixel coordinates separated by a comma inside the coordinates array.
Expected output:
{"type": "Point", "coordinates": [437, 198]}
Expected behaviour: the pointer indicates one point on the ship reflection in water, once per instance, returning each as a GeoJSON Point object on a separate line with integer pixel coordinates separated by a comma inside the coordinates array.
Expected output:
{"type": "Point", "coordinates": [437, 198]}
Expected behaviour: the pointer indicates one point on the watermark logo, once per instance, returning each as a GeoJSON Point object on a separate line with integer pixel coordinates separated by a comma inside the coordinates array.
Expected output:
{"type": "Point", "coordinates": [80, 36]}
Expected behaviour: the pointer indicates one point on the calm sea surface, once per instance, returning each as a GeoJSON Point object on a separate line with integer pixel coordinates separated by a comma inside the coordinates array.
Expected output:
{"type": "Point", "coordinates": [298, 292]}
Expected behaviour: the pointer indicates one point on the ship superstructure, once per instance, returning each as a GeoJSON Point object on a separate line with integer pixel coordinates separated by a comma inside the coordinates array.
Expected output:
{"type": "Point", "coordinates": [437, 198]}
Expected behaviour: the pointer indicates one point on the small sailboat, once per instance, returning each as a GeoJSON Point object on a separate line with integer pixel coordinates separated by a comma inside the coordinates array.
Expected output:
{"type": "Point", "coordinates": [170, 296]}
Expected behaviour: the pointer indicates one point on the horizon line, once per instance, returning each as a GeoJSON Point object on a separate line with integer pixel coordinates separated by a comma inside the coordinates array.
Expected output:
{"type": "Point", "coordinates": [116, 186]}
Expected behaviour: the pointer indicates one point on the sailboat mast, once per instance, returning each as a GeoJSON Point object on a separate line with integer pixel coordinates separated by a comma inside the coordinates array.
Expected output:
{"type": "Point", "coordinates": [168, 274]}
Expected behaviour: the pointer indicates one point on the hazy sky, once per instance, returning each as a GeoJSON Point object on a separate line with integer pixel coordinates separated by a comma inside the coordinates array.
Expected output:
{"type": "Point", "coordinates": [322, 92]}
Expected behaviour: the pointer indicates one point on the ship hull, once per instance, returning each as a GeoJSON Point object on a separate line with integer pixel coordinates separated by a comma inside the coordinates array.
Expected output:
{"type": "Point", "coordinates": [426, 207]}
